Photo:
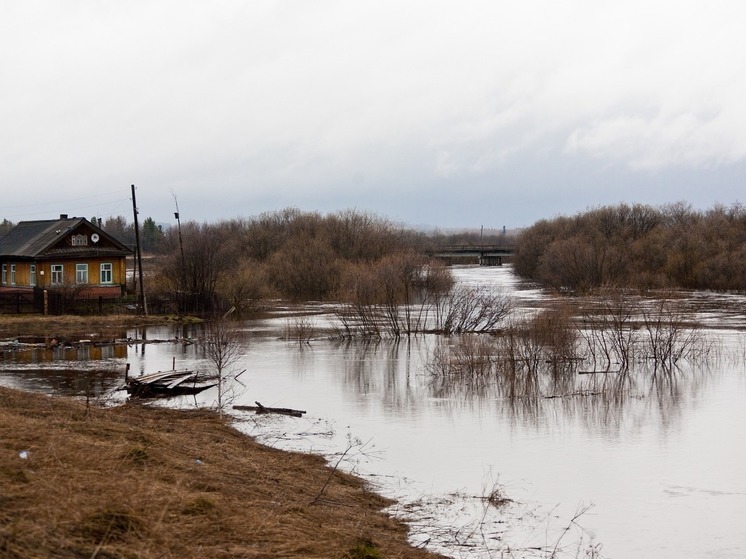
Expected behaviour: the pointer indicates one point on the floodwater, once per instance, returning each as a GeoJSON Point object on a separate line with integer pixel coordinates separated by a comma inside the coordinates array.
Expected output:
{"type": "Point", "coordinates": [653, 470]}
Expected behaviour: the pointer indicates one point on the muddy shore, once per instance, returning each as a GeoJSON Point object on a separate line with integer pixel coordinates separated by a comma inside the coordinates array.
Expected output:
{"type": "Point", "coordinates": [78, 480]}
{"type": "Point", "coordinates": [146, 482]}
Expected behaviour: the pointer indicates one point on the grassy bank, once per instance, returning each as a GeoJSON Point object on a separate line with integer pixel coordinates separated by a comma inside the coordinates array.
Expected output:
{"type": "Point", "coordinates": [142, 482]}
{"type": "Point", "coordinates": [38, 324]}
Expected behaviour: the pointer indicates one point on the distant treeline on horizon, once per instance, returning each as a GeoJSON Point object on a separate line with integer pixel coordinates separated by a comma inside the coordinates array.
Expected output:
{"type": "Point", "coordinates": [626, 245]}
{"type": "Point", "coordinates": [638, 246]}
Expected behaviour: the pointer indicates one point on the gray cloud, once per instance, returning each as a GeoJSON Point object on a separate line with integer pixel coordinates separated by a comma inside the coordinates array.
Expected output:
{"type": "Point", "coordinates": [417, 110]}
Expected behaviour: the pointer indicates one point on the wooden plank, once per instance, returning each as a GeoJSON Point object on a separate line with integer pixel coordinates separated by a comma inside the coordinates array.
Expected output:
{"type": "Point", "coordinates": [178, 381]}
{"type": "Point", "coordinates": [154, 377]}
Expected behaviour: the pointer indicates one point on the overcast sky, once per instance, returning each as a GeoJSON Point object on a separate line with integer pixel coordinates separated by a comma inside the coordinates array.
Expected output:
{"type": "Point", "coordinates": [452, 114]}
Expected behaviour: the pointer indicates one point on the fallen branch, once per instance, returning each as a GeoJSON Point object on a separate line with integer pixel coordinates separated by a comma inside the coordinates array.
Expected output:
{"type": "Point", "coordinates": [259, 409]}
{"type": "Point", "coordinates": [580, 512]}
{"type": "Point", "coordinates": [331, 474]}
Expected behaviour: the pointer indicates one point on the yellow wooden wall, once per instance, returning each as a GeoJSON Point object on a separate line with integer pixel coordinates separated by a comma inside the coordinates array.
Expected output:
{"type": "Point", "coordinates": [23, 271]}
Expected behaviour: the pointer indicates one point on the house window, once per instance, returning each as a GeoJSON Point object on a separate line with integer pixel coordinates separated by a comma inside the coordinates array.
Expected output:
{"type": "Point", "coordinates": [32, 275]}
{"type": "Point", "coordinates": [80, 240]}
{"type": "Point", "coordinates": [81, 273]}
{"type": "Point", "coordinates": [12, 274]}
{"type": "Point", "coordinates": [5, 274]}
{"type": "Point", "coordinates": [57, 277]}
{"type": "Point", "coordinates": [106, 276]}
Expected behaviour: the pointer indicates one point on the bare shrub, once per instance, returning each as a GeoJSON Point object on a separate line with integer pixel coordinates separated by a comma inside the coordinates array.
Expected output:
{"type": "Point", "coordinates": [514, 359]}
{"type": "Point", "coordinates": [305, 268]}
{"type": "Point", "coordinates": [358, 321]}
{"type": "Point", "coordinates": [245, 286]}
{"type": "Point", "coordinates": [609, 328]}
{"type": "Point", "coordinates": [359, 316]}
{"type": "Point", "coordinates": [191, 277]}
{"type": "Point", "coordinates": [401, 296]}
{"type": "Point", "coordinates": [555, 331]}
{"type": "Point", "coordinates": [300, 329]}
{"type": "Point", "coordinates": [520, 362]}
{"type": "Point", "coordinates": [397, 278]}
{"type": "Point", "coordinates": [392, 297]}
{"type": "Point", "coordinates": [435, 278]}
{"type": "Point", "coordinates": [471, 309]}
{"type": "Point", "coordinates": [668, 337]}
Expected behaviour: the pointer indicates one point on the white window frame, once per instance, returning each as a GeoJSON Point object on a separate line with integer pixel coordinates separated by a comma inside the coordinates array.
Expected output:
{"type": "Point", "coordinates": [81, 273]}
{"type": "Point", "coordinates": [57, 273]}
{"type": "Point", "coordinates": [5, 274]}
{"type": "Point", "coordinates": [106, 274]}
{"type": "Point", "coordinates": [79, 240]}
{"type": "Point", "coordinates": [12, 274]}
{"type": "Point", "coordinates": [32, 275]}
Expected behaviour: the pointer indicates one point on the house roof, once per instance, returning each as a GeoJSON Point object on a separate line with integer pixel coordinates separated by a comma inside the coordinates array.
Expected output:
{"type": "Point", "coordinates": [40, 239]}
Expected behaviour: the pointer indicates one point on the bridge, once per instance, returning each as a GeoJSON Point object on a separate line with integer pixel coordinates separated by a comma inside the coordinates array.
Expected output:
{"type": "Point", "coordinates": [484, 255]}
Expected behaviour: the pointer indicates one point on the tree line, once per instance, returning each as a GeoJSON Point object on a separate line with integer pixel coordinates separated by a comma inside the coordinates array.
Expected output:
{"type": "Point", "coordinates": [353, 257]}
{"type": "Point", "coordinates": [348, 256]}
{"type": "Point", "coordinates": [638, 246]}
{"type": "Point", "coordinates": [369, 262]}
{"type": "Point", "coordinates": [288, 254]}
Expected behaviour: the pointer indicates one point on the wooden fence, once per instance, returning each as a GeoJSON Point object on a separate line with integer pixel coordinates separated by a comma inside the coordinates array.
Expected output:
{"type": "Point", "coordinates": [22, 302]}
{"type": "Point", "coordinates": [40, 301]}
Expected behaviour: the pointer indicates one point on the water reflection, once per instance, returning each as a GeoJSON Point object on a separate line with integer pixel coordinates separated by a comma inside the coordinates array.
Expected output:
{"type": "Point", "coordinates": [542, 394]}
{"type": "Point", "coordinates": [381, 367]}
{"type": "Point", "coordinates": [83, 352]}
{"type": "Point", "coordinates": [92, 382]}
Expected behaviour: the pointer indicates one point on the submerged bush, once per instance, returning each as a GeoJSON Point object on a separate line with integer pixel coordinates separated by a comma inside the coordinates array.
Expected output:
{"type": "Point", "coordinates": [471, 309]}
{"type": "Point", "coordinates": [668, 337]}
{"type": "Point", "coordinates": [540, 355]}
{"type": "Point", "coordinates": [393, 297]}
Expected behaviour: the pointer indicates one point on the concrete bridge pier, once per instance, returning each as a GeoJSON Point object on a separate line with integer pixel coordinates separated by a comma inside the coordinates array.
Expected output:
{"type": "Point", "coordinates": [490, 260]}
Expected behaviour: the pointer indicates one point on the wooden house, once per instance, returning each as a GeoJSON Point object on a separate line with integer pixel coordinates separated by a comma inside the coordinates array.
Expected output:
{"type": "Point", "coordinates": [68, 254]}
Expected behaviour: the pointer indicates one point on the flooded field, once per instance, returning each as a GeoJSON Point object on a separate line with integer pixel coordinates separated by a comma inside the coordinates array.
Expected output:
{"type": "Point", "coordinates": [586, 465]}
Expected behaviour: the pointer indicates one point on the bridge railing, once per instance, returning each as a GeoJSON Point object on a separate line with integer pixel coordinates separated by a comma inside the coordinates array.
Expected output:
{"type": "Point", "coordinates": [473, 248]}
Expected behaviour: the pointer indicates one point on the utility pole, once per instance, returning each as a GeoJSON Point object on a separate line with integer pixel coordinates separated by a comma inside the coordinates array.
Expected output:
{"type": "Point", "coordinates": [142, 304]}
{"type": "Point", "coordinates": [183, 261]}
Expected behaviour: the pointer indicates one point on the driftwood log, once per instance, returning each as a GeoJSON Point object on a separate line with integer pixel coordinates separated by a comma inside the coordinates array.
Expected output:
{"type": "Point", "coordinates": [263, 409]}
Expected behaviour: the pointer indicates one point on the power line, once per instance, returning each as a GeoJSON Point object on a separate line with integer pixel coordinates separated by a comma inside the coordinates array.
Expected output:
{"type": "Point", "coordinates": [65, 200]}
{"type": "Point", "coordinates": [106, 205]}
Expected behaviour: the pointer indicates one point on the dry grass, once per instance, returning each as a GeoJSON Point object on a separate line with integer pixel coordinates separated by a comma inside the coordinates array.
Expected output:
{"type": "Point", "coordinates": [141, 482]}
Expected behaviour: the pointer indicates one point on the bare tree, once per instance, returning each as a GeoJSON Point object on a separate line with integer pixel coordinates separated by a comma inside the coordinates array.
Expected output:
{"type": "Point", "coordinates": [223, 347]}
{"type": "Point", "coordinates": [206, 258]}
